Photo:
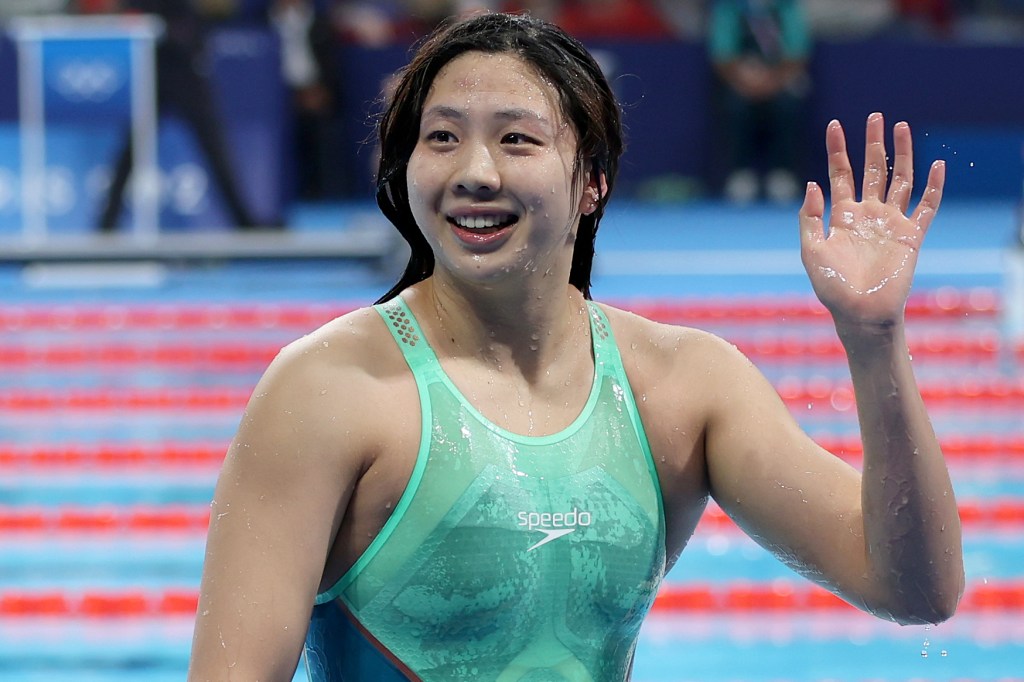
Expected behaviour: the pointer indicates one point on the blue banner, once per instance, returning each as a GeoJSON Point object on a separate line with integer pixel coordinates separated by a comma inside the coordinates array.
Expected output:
{"type": "Point", "coordinates": [87, 80]}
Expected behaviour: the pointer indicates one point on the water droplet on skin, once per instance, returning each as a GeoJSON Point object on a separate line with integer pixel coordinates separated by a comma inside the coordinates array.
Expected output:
{"type": "Point", "coordinates": [323, 391]}
{"type": "Point", "coordinates": [326, 344]}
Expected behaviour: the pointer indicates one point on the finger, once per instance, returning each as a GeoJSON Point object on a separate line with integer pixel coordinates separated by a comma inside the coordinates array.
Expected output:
{"type": "Point", "coordinates": [811, 216]}
{"type": "Point", "coordinates": [903, 167]}
{"type": "Point", "coordinates": [875, 174]}
{"type": "Point", "coordinates": [929, 204]}
{"type": "Point", "coordinates": [840, 173]}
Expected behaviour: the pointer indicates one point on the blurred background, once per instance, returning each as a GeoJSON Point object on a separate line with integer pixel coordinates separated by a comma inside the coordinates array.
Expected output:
{"type": "Point", "coordinates": [186, 186]}
{"type": "Point", "coordinates": [263, 104]}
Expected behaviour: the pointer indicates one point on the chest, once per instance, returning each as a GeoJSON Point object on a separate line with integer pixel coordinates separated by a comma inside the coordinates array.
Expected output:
{"type": "Point", "coordinates": [490, 525]}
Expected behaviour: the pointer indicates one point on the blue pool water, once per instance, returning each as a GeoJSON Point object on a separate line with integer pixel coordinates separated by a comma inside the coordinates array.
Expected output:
{"type": "Point", "coordinates": [645, 252]}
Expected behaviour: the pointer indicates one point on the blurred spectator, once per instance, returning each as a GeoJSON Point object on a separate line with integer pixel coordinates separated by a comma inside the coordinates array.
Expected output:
{"type": "Point", "coordinates": [182, 89]}
{"type": "Point", "coordinates": [307, 66]}
{"type": "Point", "coordinates": [991, 21]}
{"type": "Point", "coordinates": [612, 19]}
{"type": "Point", "coordinates": [759, 51]}
{"type": "Point", "coordinates": [20, 8]}
{"type": "Point", "coordinates": [381, 23]}
{"type": "Point", "coordinates": [402, 22]}
{"type": "Point", "coordinates": [845, 20]}
{"type": "Point", "coordinates": [928, 17]}
{"type": "Point", "coordinates": [372, 24]}
{"type": "Point", "coordinates": [687, 17]}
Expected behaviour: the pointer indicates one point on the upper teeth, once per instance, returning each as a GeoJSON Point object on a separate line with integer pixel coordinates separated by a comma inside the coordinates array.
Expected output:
{"type": "Point", "coordinates": [477, 222]}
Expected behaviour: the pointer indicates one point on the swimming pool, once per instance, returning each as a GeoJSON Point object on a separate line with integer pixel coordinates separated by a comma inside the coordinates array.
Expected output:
{"type": "Point", "coordinates": [116, 403]}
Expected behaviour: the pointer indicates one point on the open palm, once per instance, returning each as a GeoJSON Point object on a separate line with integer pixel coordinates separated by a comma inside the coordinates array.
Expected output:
{"type": "Point", "coordinates": [862, 265]}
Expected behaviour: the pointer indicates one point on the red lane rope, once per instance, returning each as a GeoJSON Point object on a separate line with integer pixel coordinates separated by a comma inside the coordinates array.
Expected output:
{"type": "Point", "coordinates": [938, 304]}
{"type": "Point", "coordinates": [196, 518]}
{"type": "Point", "coordinates": [167, 518]}
{"type": "Point", "coordinates": [825, 392]}
{"type": "Point", "coordinates": [112, 456]}
{"type": "Point", "coordinates": [798, 392]}
{"type": "Point", "coordinates": [114, 317]}
{"type": "Point", "coordinates": [994, 514]}
{"type": "Point", "coordinates": [954, 447]}
{"type": "Point", "coordinates": [127, 399]}
{"type": "Point", "coordinates": [222, 354]}
{"type": "Point", "coordinates": [105, 456]}
{"type": "Point", "coordinates": [784, 595]}
{"type": "Point", "coordinates": [733, 598]}
{"type": "Point", "coordinates": [945, 346]}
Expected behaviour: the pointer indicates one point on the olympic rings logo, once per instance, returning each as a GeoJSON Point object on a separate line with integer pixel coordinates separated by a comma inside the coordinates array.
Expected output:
{"type": "Point", "coordinates": [81, 80]}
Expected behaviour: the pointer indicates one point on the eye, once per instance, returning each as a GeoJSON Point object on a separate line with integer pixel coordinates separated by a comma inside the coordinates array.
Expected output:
{"type": "Point", "coordinates": [517, 139]}
{"type": "Point", "coordinates": [441, 136]}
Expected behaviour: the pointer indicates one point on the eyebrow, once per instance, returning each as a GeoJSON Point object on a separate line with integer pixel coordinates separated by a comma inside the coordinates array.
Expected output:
{"type": "Point", "coordinates": [514, 114]}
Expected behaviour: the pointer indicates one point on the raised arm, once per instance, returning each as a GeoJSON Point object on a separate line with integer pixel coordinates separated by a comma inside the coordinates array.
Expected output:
{"type": "Point", "coordinates": [861, 269]}
{"type": "Point", "coordinates": [277, 504]}
{"type": "Point", "coordinates": [888, 538]}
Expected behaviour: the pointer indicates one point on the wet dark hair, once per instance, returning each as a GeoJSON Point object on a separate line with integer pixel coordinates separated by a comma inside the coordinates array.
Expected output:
{"type": "Point", "coordinates": [584, 97]}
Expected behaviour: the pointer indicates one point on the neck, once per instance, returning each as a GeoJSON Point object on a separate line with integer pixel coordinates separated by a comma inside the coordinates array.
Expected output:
{"type": "Point", "coordinates": [525, 329]}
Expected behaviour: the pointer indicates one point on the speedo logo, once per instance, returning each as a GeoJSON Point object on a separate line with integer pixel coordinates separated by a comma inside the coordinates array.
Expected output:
{"type": "Point", "coordinates": [553, 524]}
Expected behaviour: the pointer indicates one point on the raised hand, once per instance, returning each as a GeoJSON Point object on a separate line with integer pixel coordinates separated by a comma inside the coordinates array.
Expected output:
{"type": "Point", "coordinates": [862, 266]}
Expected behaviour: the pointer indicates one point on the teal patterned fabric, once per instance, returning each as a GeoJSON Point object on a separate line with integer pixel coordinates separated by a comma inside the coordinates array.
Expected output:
{"type": "Point", "coordinates": [509, 557]}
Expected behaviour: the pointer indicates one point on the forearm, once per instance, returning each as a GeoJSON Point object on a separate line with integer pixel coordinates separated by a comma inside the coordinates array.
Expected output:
{"type": "Point", "coordinates": [911, 522]}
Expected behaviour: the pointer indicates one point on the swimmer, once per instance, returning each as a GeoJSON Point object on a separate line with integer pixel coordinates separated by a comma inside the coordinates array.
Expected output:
{"type": "Point", "coordinates": [486, 475]}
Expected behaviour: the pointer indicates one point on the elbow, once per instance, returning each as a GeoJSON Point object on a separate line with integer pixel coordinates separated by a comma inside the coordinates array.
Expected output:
{"type": "Point", "coordinates": [931, 613]}
{"type": "Point", "coordinates": [926, 604]}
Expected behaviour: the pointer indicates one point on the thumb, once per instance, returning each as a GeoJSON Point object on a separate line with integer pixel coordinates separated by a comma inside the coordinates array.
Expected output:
{"type": "Point", "coordinates": [811, 216]}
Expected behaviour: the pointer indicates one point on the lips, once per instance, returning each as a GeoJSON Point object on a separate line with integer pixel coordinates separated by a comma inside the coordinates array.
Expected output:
{"type": "Point", "coordinates": [482, 229]}
{"type": "Point", "coordinates": [483, 223]}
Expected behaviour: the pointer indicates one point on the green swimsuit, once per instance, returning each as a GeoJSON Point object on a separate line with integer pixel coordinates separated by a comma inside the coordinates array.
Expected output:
{"type": "Point", "coordinates": [508, 557]}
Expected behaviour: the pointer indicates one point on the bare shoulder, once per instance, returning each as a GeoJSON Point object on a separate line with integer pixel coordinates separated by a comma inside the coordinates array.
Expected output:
{"type": "Point", "coordinates": [321, 386]}
{"type": "Point", "coordinates": [350, 344]}
{"type": "Point", "coordinates": [676, 367]}
{"type": "Point", "coordinates": [667, 347]}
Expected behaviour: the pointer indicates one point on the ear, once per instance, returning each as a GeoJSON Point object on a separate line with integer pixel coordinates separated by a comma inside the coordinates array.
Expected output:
{"type": "Point", "coordinates": [590, 195]}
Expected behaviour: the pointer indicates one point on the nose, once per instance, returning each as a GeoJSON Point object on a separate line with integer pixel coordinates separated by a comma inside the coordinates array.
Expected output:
{"type": "Point", "coordinates": [477, 172]}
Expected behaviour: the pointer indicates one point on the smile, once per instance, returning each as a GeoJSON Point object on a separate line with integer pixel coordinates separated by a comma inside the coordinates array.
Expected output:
{"type": "Point", "coordinates": [483, 222]}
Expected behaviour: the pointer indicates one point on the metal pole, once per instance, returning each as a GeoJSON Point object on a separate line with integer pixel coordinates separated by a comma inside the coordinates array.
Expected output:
{"type": "Point", "coordinates": [146, 189]}
{"type": "Point", "coordinates": [32, 137]}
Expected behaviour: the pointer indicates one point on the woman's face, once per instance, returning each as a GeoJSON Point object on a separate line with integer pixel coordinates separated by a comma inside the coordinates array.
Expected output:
{"type": "Point", "coordinates": [491, 176]}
